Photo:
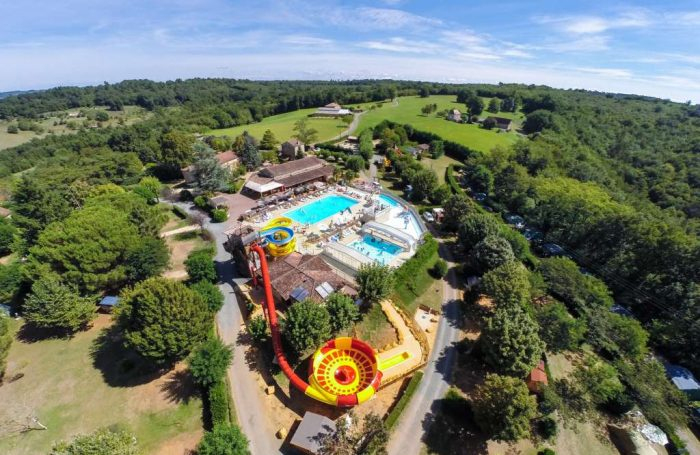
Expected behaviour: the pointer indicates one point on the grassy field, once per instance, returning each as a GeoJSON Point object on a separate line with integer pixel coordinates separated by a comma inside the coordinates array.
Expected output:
{"type": "Point", "coordinates": [439, 165]}
{"type": "Point", "coordinates": [78, 385]}
{"type": "Point", "coordinates": [375, 329]}
{"type": "Point", "coordinates": [130, 115]}
{"type": "Point", "coordinates": [282, 126]}
{"type": "Point", "coordinates": [407, 110]}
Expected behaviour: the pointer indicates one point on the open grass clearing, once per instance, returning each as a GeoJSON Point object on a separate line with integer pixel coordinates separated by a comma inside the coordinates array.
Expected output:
{"type": "Point", "coordinates": [181, 245]}
{"type": "Point", "coordinates": [80, 384]}
{"type": "Point", "coordinates": [439, 165]}
{"type": "Point", "coordinates": [130, 115]}
{"type": "Point", "coordinates": [282, 126]}
{"type": "Point", "coordinates": [375, 329]}
{"type": "Point", "coordinates": [408, 111]}
{"type": "Point", "coordinates": [424, 289]}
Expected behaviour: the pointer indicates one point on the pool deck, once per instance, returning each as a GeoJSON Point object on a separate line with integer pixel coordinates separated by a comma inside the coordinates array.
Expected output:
{"type": "Point", "coordinates": [311, 238]}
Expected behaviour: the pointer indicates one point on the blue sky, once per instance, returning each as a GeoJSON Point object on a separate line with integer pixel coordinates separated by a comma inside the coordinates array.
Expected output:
{"type": "Point", "coordinates": [644, 47]}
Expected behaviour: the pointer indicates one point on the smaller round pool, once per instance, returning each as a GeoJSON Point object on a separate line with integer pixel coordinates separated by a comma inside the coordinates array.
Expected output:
{"type": "Point", "coordinates": [377, 249]}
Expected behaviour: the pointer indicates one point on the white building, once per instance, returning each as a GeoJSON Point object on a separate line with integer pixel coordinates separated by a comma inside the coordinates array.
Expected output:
{"type": "Point", "coordinates": [332, 109]}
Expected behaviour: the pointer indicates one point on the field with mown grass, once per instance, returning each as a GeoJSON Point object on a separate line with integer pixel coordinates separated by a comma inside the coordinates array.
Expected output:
{"type": "Point", "coordinates": [408, 111]}
{"type": "Point", "coordinates": [282, 126]}
{"type": "Point", "coordinates": [77, 385]}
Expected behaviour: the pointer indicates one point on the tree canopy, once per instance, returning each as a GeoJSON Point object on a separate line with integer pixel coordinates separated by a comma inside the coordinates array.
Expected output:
{"type": "Point", "coordinates": [54, 305]}
{"type": "Point", "coordinates": [503, 407]}
{"type": "Point", "coordinates": [376, 282]}
{"type": "Point", "coordinates": [306, 325]}
{"type": "Point", "coordinates": [224, 440]}
{"type": "Point", "coordinates": [209, 362]}
{"type": "Point", "coordinates": [104, 441]}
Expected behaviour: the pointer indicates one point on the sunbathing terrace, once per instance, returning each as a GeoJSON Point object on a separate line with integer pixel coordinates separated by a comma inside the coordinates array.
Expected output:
{"type": "Point", "coordinates": [356, 225]}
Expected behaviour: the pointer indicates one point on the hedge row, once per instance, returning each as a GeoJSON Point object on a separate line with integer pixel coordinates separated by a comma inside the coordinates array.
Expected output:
{"type": "Point", "coordinates": [218, 404]}
{"type": "Point", "coordinates": [452, 181]}
{"type": "Point", "coordinates": [411, 268]}
{"type": "Point", "coordinates": [395, 413]}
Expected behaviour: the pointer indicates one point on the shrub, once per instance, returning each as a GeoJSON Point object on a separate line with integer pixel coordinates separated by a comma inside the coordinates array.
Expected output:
{"type": "Point", "coordinates": [185, 195]}
{"type": "Point", "coordinates": [5, 342]}
{"type": "Point", "coordinates": [209, 362]}
{"type": "Point", "coordinates": [104, 441]}
{"type": "Point", "coordinates": [619, 404]}
{"type": "Point", "coordinates": [224, 440]}
{"type": "Point", "coordinates": [257, 329]}
{"type": "Point", "coordinates": [201, 202]}
{"type": "Point", "coordinates": [411, 388]}
{"type": "Point", "coordinates": [546, 451]}
{"type": "Point", "coordinates": [218, 404]}
{"type": "Point", "coordinates": [547, 427]}
{"type": "Point", "coordinates": [503, 407]}
{"type": "Point", "coordinates": [200, 266]}
{"type": "Point", "coordinates": [53, 304]}
{"type": "Point", "coordinates": [306, 325]}
{"type": "Point", "coordinates": [210, 293]}
{"type": "Point", "coordinates": [376, 282]}
{"type": "Point", "coordinates": [12, 129]}
{"type": "Point", "coordinates": [440, 268]}
{"type": "Point", "coordinates": [219, 215]}
{"type": "Point", "coordinates": [411, 268]}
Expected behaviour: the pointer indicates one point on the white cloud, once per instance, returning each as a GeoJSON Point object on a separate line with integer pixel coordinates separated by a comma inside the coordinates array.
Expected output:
{"type": "Point", "coordinates": [393, 18]}
{"type": "Point", "coordinates": [584, 44]}
{"type": "Point", "coordinates": [517, 53]}
{"type": "Point", "coordinates": [402, 45]}
{"type": "Point", "coordinates": [685, 18]}
{"type": "Point", "coordinates": [304, 40]}
{"type": "Point", "coordinates": [610, 72]}
{"type": "Point", "coordinates": [584, 25]}
{"type": "Point", "coordinates": [477, 56]}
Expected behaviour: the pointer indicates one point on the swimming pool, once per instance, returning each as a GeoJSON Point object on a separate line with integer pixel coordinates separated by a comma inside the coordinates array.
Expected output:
{"type": "Point", "coordinates": [376, 249]}
{"type": "Point", "coordinates": [320, 209]}
{"type": "Point", "coordinates": [389, 200]}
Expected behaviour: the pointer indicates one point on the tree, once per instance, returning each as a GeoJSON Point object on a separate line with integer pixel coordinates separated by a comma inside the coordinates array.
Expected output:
{"type": "Point", "coordinates": [104, 441]}
{"type": "Point", "coordinates": [303, 132]}
{"type": "Point", "coordinates": [437, 149]}
{"type": "Point", "coordinates": [208, 172]}
{"type": "Point", "coordinates": [163, 320]}
{"type": "Point", "coordinates": [209, 362]}
{"type": "Point", "coordinates": [424, 183]}
{"type": "Point", "coordinates": [12, 129]}
{"type": "Point", "coordinates": [629, 335]}
{"type": "Point", "coordinates": [475, 227]}
{"type": "Point", "coordinates": [489, 123]}
{"type": "Point", "coordinates": [148, 219]}
{"type": "Point", "coordinates": [474, 104]}
{"type": "Point", "coordinates": [211, 294]}
{"type": "Point", "coordinates": [494, 105]}
{"type": "Point", "coordinates": [355, 163]}
{"type": "Point", "coordinates": [306, 325]}
{"type": "Point", "coordinates": [7, 237]}
{"type": "Point", "coordinates": [176, 149]}
{"type": "Point", "coordinates": [88, 249]}
{"type": "Point", "coordinates": [558, 329]}
{"type": "Point", "coordinates": [376, 282]}
{"type": "Point", "coordinates": [147, 258]}
{"type": "Point", "coordinates": [250, 156]}
{"type": "Point", "coordinates": [152, 185]}
{"type": "Point", "coordinates": [351, 439]}
{"type": "Point", "coordinates": [224, 440]}
{"type": "Point", "coordinates": [257, 329]}
{"type": "Point", "coordinates": [510, 342]}
{"type": "Point", "coordinates": [503, 407]}
{"type": "Point", "coordinates": [200, 266]}
{"type": "Point", "coordinates": [440, 269]}
{"type": "Point", "coordinates": [599, 380]}
{"type": "Point", "coordinates": [12, 279]}
{"type": "Point", "coordinates": [5, 342]}
{"type": "Point", "coordinates": [55, 305]}
{"type": "Point", "coordinates": [439, 194]}
{"type": "Point", "coordinates": [508, 284]}
{"type": "Point", "coordinates": [456, 208]}
{"type": "Point", "coordinates": [481, 179]}
{"type": "Point", "coordinates": [36, 205]}
{"type": "Point", "coordinates": [366, 146]}
{"type": "Point", "coordinates": [492, 252]}
{"type": "Point", "coordinates": [269, 141]}
{"type": "Point", "coordinates": [537, 121]}
{"type": "Point", "coordinates": [342, 310]}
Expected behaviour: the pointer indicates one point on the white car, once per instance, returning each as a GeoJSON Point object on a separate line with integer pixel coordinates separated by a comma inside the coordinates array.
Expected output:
{"type": "Point", "coordinates": [427, 216]}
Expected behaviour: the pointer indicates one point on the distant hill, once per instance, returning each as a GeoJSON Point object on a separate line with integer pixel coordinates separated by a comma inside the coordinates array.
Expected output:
{"type": "Point", "coordinates": [16, 92]}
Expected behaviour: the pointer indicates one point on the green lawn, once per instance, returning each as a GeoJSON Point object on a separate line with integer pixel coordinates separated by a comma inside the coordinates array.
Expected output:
{"type": "Point", "coordinates": [408, 111]}
{"type": "Point", "coordinates": [439, 165]}
{"type": "Point", "coordinates": [73, 388]}
{"type": "Point", "coordinates": [282, 126]}
{"type": "Point", "coordinates": [375, 329]}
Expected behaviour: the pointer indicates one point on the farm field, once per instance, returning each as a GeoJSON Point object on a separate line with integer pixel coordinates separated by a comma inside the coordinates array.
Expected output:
{"type": "Point", "coordinates": [74, 386]}
{"type": "Point", "coordinates": [130, 115]}
{"type": "Point", "coordinates": [407, 110]}
{"type": "Point", "coordinates": [282, 126]}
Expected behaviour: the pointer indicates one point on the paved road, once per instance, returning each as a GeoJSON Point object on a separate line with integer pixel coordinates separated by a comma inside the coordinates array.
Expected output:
{"type": "Point", "coordinates": [351, 128]}
{"type": "Point", "coordinates": [415, 420]}
{"type": "Point", "coordinates": [246, 391]}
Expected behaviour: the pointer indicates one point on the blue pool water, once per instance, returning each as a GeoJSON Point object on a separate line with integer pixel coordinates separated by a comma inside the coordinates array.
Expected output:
{"type": "Point", "coordinates": [376, 249]}
{"type": "Point", "coordinates": [389, 200]}
{"type": "Point", "coordinates": [320, 209]}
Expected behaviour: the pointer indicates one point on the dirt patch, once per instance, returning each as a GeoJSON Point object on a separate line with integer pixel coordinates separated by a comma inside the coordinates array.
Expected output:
{"type": "Point", "coordinates": [179, 250]}
{"type": "Point", "coordinates": [183, 444]}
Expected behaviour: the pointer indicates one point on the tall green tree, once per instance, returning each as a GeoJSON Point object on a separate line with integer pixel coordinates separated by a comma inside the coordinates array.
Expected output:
{"type": "Point", "coordinates": [54, 305]}
{"type": "Point", "coordinates": [5, 343]}
{"type": "Point", "coordinates": [163, 320]}
{"type": "Point", "coordinates": [511, 343]}
{"type": "Point", "coordinates": [269, 141]}
{"type": "Point", "coordinates": [176, 149]}
{"type": "Point", "coordinates": [104, 441]}
{"type": "Point", "coordinates": [224, 440]}
{"type": "Point", "coordinates": [149, 257]}
{"type": "Point", "coordinates": [494, 105]}
{"type": "Point", "coordinates": [250, 156]}
{"type": "Point", "coordinates": [491, 252]}
{"type": "Point", "coordinates": [456, 208]}
{"type": "Point", "coordinates": [208, 172]}
{"type": "Point", "coordinates": [35, 205]}
{"type": "Point", "coordinates": [209, 362]}
{"type": "Point", "coordinates": [508, 284]}
{"type": "Point", "coordinates": [342, 310]}
{"type": "Point", "coordinates": [7, 236]}
{"type": "Point", "coordinates": [376, 282]}
{"type": "Point", "coordinates": [200, 266]}
{"type": "Point", "coordinates": [558, 329]}
{"type": "Point", "coordinates": [210, 293]}
{"type": "Point", "coordinates": [503, 407]}
{"type": "Point", "coordinates": [89, 249]}
{"type": "Point", "coordinates": [424, 183]}
{"type": "Point", "coordinates": [306, 325]}
{"type": "Point", "coordinates": [474, 227]}
{"type": "Point", "coordinates": [304, 132]}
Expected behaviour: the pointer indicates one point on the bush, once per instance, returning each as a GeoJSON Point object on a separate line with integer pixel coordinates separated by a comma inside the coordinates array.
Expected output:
{"type": "Point", "coordinates": [209, 362]}
{"type": "Point", "coordinates": [5, 342]}
{"type": "Point", "coordinates": [200, 266]}
{"type": "Point", "coordinates": [411, 268]}
{"type": "Point", "coordinates": [257, 329]}
{"type": "Point", "coordinates": [342, 310]}
{"type": "Point", "coordinates": [306, 325]}
{"type": "Point", "coordinates": [210, 293]}
{"type": "Point", "coordinates": [452, 181]}
{"type": "Point", "coordinates": [218, 404]}
{"type": "Point", "coordinates": [224, 440]}
{"type": "Point", "coordinates": [376, 282]}
{"type": "Point", "coordinates": [12, 129]}
{"type": "Point", "coordinates": [550, 401]}
{"type": "Point", "coordinates": [219, 215]}
{"type": "Point", "coordinates": [547, 427]}
{"type": "Point", "coordinates": [546, 451]}
{"type": "Point", "coordinates": [201, 202]}
{"type": "Point", "coordinates": [440, 269]}
{"type": "Point", "coordinates": [185, 196]}
{"type": "Point", "coordinates": [619, 404]}
{"type": "Point", "coordinates": [104, 441]}
{"type": "Point", "coordinates": [411, 388]}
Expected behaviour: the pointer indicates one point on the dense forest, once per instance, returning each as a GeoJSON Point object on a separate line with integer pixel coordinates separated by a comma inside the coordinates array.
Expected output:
{"type": "Point", "coordinates": [613, 178]}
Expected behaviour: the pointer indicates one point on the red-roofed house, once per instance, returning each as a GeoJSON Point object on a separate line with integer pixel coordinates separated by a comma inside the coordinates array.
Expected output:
{"type": "Point", "coordinates": [537, 378]}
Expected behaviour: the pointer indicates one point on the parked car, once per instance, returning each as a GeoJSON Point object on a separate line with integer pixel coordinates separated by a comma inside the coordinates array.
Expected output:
{"type": "Point", "coordinates": [517, 221]}
{"type": "Point", "coordinates": [533, 235]}
{"type": "Point", "coordinates": [427, 216]}
{"type": "Point", "coordinates": [480, 197]}
{"type": "Point", "coordinates": [552, 249]}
